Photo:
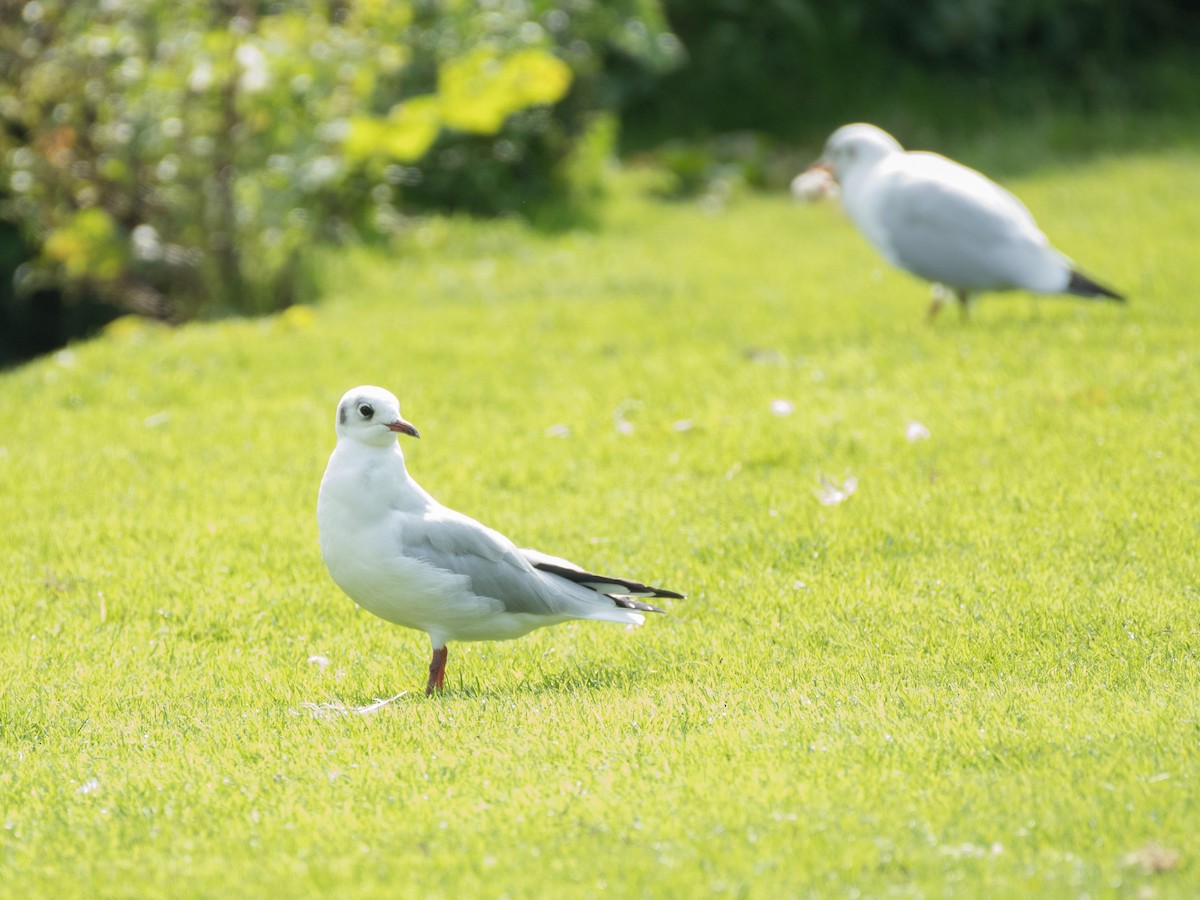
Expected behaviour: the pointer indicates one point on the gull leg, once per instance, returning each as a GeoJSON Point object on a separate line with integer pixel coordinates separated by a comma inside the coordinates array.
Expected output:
{"type": "Point", "coordinates": [437, 670]}
{"type": "Point", "coordinates": [963, 303]}
{"type": "Point", "coordinates": [937, 298]}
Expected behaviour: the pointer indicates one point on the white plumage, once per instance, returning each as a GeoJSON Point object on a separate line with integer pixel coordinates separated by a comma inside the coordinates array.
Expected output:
{"type": "Point", "coordinates": [401, 555]}
{"type": "Point", "coordinates": [944, 222]}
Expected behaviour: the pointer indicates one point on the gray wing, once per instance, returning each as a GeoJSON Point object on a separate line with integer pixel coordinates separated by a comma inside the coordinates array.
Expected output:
{"type": "Point", "coordinates": [950, 224]}
{"type": "Point", "coordinates": [496, 568]}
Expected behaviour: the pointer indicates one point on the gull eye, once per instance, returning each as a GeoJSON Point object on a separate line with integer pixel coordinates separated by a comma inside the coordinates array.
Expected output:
{"type": "Point", "coordinates": [366, 410]}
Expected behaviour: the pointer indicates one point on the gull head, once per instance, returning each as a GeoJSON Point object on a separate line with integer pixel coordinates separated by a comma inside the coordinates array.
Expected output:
{"type": "Point", "coordinates": [371, 415]}
{"type": "Point", "coordinates": [855, 148]}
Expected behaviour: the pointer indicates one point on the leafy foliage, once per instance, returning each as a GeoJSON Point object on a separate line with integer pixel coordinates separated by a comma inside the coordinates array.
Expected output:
{"type": "Point", "coordinates": [175, 156]}
{"type": "Point", "coordinates": [541, 158]}
{"type": "Point", "coordinates": [778, 65]}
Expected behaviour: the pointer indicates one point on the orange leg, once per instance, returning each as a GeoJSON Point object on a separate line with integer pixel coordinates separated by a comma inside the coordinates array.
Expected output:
{"type": "Point", "coordinates": [437, 670]}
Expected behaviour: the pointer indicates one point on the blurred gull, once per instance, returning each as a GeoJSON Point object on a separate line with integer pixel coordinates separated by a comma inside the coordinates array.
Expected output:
{"type": "Point", "coordinates": [401, 555]}
{"type": "Point", "coordinates": [944, 222]}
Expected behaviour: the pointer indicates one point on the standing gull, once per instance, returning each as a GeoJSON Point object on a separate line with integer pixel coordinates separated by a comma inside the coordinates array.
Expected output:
{"type": "Point", "coordinates": [944, 222]}
{"type": "Point", "coordinates": [401, 555]}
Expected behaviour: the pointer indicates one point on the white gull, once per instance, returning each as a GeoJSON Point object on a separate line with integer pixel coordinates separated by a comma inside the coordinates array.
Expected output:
{"type": "Point", "coordinates": [944, 222]}
{"type": "Point", "coordinates": [401, 555]}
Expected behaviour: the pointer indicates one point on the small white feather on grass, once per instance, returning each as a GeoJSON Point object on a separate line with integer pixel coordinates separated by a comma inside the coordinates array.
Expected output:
{"type": "Point", "coordinates": [831, 494]}
{"type": "Point", "coordinates": [915, 431]}
{"type": "Point", "coordinates": [328, 710]}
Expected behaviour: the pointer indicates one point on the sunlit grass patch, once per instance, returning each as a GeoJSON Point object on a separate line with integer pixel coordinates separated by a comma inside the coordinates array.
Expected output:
{"type": "Point", "coordinates": [974, 674]}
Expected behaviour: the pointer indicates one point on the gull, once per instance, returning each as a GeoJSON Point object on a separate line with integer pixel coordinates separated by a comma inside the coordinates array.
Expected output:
{"type": "Point", "coordinates": [398, 553]}
{"type": "Point", "coordinates": [944, 222]}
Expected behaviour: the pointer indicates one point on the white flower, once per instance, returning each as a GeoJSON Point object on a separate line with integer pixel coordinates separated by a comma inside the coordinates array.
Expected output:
{"type": "Point", "coordinates": [248, 56]}
{"type": "Point", "coordinates": [146, 244]}
{"type": "Point", "coordinates": [201, 76]}
{"type": "Point", "coordinates": [255, 74]}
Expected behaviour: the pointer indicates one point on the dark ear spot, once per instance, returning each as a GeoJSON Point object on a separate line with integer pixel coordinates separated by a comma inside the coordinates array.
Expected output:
{"type": "Point", "coordinates": [342, 414]}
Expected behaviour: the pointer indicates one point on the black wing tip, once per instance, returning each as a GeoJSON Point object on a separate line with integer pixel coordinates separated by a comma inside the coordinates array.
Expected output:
{"type": "Point", "coordinates": [579, 576]}
{"type": "Point", "coordinates": [626, 603]}
{"type": "Point", "coordinates": [1083, 286]}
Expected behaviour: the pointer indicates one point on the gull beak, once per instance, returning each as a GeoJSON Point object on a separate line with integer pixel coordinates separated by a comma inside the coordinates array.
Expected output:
{"type": "Point", "coordinates": [404, 428]}
{"type": "Point", "coordinates": [822, 166]}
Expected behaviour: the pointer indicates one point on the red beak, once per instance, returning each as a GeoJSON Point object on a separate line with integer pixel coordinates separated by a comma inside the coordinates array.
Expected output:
{"type": "Point", "coordinates": [404, 428]}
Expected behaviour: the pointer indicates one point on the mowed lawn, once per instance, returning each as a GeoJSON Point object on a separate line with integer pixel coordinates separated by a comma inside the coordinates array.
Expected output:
{"type": "Point", "coordinates": [977, 676]}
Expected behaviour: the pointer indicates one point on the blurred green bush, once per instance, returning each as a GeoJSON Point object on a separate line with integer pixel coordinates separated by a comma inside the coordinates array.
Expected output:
{"type": "Point", "coordinates": [780, 65]}
{"type": "Point", "coordinates": [39, 321]}
{"type": "Point", "coordinates": [177, 157]}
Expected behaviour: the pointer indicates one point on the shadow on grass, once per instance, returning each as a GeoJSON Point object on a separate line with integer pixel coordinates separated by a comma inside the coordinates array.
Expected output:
{"type": "Point", "coordinates": [586, 678]}
{"type": "Point", "coordinates": [591, 677]}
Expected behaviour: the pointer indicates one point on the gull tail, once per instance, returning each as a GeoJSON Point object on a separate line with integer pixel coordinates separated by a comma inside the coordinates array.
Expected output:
{"type": "Point", "coordinates": [1082, 286]}
{"type": "Point", "coordinates": [621, 591]}
{"type": "Point", "coordinates": [625, 593]}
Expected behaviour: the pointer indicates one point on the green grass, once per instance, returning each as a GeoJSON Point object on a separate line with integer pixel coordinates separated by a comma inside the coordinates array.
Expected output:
{"type": "Point", "coordinates": [977, 677]}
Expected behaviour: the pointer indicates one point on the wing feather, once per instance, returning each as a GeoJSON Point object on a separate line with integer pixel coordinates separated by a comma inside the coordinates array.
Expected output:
{"type": "Point", "coordinates": [523, 581]}
{"type": "Point", "coordinates": [603, 584]}
{"type": "Point", "coordinates": [492, 563]}
{"type": "Point", "coordinates": [950, 224]}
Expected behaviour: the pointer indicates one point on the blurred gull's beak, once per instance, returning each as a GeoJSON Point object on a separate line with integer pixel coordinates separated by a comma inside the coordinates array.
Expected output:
{"type": "Point", "coordinates": [404, 428]}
